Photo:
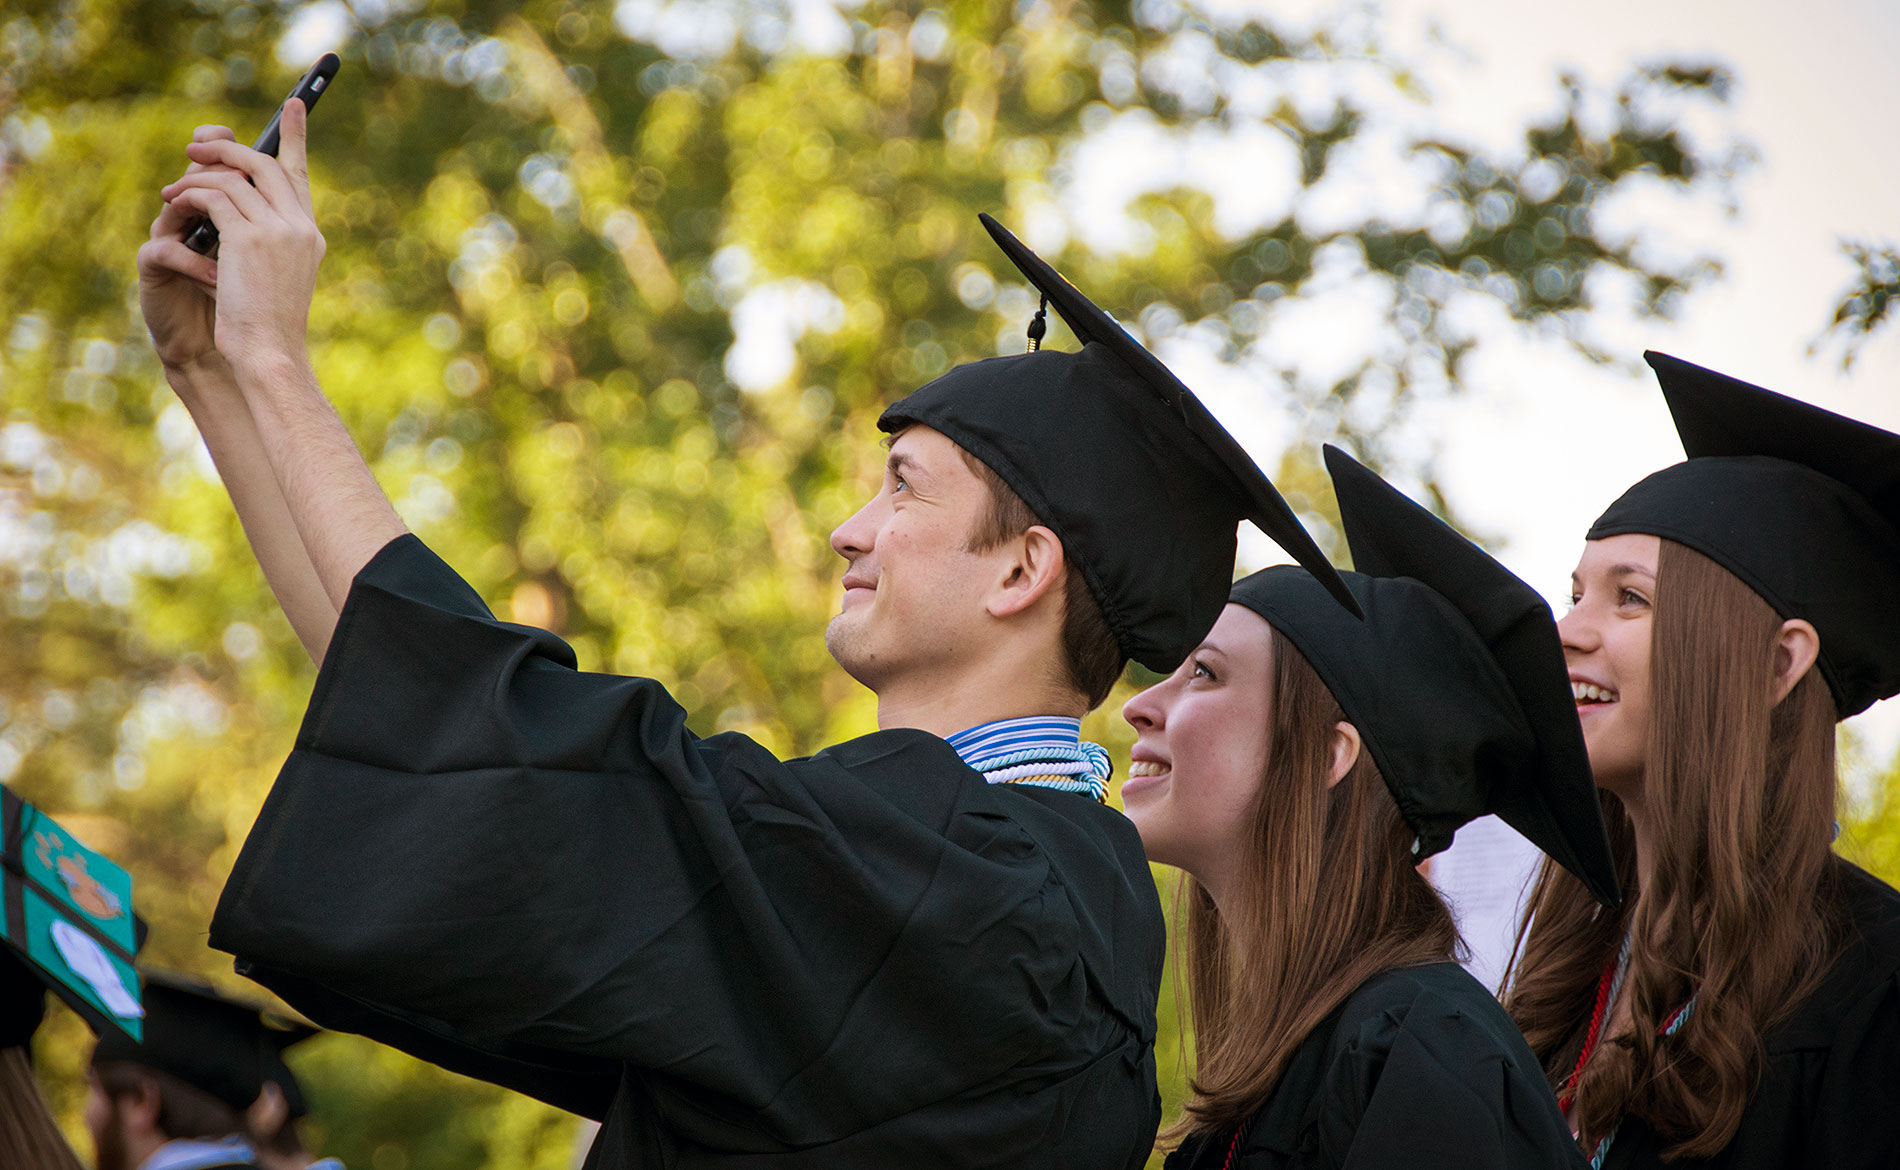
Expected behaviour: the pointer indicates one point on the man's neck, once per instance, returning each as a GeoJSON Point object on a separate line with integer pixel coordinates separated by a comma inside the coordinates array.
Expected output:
{"type": "Point", "coordinates": [944, 710]}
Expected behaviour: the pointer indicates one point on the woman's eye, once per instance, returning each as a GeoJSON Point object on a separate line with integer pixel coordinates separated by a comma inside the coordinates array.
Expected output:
{"type": "Point", "coordinates": [1573, 600]}
{"type": "Point", "coordinates": [1630, 597]}
{"type": "Point", "coordinates": [1201, 670]}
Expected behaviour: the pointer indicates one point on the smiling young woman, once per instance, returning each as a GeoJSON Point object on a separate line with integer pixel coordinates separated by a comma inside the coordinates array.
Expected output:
{"type": "Point", "coordinates": [1297, 767]}
{"type": "Point", "coordinates": [1741, 1010]}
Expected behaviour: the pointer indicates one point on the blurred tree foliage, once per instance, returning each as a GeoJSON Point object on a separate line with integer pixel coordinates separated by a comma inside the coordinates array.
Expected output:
{"type": "Point", "coordinates": [1870, 827]}
{"type": "Point", "coordinates": [613, 297]}
{"type": "Point", "coordinates": [1869, 301]}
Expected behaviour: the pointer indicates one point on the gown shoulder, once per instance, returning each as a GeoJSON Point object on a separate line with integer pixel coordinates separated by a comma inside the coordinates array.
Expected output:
{"type": "Point", "coordinates": [1419, 1067]}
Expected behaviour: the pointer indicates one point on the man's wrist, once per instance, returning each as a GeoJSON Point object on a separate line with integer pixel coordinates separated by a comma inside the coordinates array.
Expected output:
{"type": "Point", "coordinates": [271, 372]}
{"type": "Point", "coordinates": [201, 378]}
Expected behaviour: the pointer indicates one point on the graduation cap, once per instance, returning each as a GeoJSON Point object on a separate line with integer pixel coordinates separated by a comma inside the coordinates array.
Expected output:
{"type": "Point", "coordinates": [67, 926]}
{"type": "Point", "coordinates": [1107, 447]}
{"type": "Point", "coordinates": [223, 1046]}
{"type": "Point", "coordinates": [1800, 503]}
{"type": "Point", "coordinates": [1455, 678]}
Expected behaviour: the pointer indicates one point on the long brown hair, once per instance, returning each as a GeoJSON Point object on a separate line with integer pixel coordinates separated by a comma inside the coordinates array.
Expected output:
{"type": "Point", "coordinates": [1741, 909]}
{"type": "Point", "coordinates": [29, 1138]}
{"type": "Point", "coordinates": [1329, 898]}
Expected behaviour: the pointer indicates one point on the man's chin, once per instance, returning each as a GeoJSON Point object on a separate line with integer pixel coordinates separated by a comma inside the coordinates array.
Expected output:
{"type": "Point", "coordinates": [841, 639]}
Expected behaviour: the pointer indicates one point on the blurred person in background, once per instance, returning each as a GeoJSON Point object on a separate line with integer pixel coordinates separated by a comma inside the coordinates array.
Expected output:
{"type": "Point", "coordinates": [193, 1093]}
{"type": "Point", "coordinates": [1741, 1009]}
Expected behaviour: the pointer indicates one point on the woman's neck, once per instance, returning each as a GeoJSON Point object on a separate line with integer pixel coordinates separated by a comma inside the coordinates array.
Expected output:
{"type": "Point", "coordinates": [1642, 828]}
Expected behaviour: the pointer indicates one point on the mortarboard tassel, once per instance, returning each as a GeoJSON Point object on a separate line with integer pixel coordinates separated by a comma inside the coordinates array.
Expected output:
{"type": "Point", "coordinates": [1039, 325]}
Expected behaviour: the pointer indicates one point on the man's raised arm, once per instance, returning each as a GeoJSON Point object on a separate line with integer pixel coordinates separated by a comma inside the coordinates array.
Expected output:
{"type": "Point", "coordinates": [312, 510]}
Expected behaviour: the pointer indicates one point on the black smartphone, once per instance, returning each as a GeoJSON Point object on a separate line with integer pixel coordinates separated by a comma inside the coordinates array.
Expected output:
{"type": "Point", "coordinates": [202, 236]}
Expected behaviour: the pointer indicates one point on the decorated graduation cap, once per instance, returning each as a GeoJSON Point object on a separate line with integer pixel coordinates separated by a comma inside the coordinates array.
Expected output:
{"type": "Point", "coordinates": [1108, 448]}
{"type": "Point", "coordinates": [225, 1047]}
{"type": "Point", "coordinates": [1800, 503]}
{"type": "Point", "coordinates": [67, 926]}
{"type": "Point", "coordinates": [1455, 678]}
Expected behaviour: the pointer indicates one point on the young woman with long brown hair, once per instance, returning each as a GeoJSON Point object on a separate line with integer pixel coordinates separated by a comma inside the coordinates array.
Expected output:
{"type": "Point", "coordinates": [1298, 767]}
{"type": "Point", "coordinates": [1741, 1009]}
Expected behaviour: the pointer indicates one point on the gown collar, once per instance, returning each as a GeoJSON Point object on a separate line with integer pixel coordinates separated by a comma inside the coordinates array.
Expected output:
{"type": "Point", "coordinates": [1043, 751]}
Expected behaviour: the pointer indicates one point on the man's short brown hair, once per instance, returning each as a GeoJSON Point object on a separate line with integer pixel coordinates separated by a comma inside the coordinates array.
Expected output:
{"type": "Point", "coordinates": [1090, 653]}
{"type": "Point", "coordinates": [184, 1110]}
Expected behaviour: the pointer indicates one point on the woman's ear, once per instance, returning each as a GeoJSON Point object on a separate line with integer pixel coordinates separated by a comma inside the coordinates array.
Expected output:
{"type": "Point", "coordinates": [1796, 648]}
{"type": "Point", "coordinates": [1346, 747]}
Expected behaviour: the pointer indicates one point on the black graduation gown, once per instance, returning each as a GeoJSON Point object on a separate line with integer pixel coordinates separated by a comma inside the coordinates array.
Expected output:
{"type": "Point", "coordinates": [1419, 1068]}
{"type": "Point", "coordinates": [537, 876]}
{"type": "Point", "coordinates": [1830, 1092]}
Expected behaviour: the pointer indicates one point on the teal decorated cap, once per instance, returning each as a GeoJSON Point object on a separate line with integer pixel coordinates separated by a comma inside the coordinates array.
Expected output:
{"type": "Point", "coordinates": [67, 926]}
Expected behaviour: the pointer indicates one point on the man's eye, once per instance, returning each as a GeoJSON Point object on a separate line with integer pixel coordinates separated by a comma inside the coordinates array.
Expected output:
{"type": "Point", "coordinates": [898, 484]}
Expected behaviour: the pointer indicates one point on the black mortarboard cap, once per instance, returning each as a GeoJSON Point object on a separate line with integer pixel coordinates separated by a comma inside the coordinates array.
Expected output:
{"type": "Point", "coordinates": [1800, 503]}
{"type": "Point", "coordinates": [1455, 678]}
{"type": "Point", "coordinates": [225, 1047]}
{"type": "Point", "coordinates": [1107, 447]}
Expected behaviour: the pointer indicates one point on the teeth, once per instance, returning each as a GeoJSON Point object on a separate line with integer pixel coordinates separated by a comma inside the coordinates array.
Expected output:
{"type": "Point", "coordinates": [1590, 693]}
{"type": "Point", "coordinates": [1147, 768]}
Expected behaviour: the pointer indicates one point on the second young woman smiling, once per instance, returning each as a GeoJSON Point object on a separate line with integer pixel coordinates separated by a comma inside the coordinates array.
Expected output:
{"type": "Point", "coordinates": [1297, 767]}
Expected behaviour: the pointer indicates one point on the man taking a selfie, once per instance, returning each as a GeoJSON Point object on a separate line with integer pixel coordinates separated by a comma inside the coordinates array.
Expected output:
{"type": "Point", "coordinates": [931, 945]}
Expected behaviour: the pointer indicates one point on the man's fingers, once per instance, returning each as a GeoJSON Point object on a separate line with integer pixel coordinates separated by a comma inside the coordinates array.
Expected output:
{"type": "Point", "coordinates": [263, 170]}
{"type": "Point", "coordinates": [293, 130]}
{"type": "Point", "coordinates": [215, 204]}
{"type": "Point", "coordinates": [230, 183]}
{"type": "Point", "coordinates": [172, 221]}
{"type": "Point", "coordinates": [209, 133]}
{"type": "Point", "coordinates": [172, 256]}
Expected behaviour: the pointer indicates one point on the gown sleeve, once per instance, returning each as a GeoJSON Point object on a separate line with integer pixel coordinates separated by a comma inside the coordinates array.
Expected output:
{"type": "Point", "coordinates": [1427, 1086]}
{"type": "Point", "coordinates": [547, 869]}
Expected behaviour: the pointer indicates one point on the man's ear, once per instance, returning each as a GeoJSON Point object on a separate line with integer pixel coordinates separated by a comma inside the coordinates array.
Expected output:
{"type": "Point", "coordinates": [1034, 564]}
{"type": "Point", "coordinates": [141, 1108]}
{"type": "Point", "coordinates": [1346, 748]}
{"type": "Point", "coordinates": [269, 1112]}
{"type": "Point", "coordinates": [1796, 647]}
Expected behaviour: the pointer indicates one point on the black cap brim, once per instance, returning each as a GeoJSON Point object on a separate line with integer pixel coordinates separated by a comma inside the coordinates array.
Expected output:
{"type": "Point", "coordinates": [1555, 804]}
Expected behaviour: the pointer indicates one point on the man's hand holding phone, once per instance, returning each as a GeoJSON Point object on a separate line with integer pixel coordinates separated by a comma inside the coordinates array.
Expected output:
{"type": "Point", "coordinates": [254, 299]}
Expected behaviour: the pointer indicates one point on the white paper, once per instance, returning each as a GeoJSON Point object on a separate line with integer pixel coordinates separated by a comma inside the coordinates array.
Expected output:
{"type": "Point", "coordinates": [89, 961]}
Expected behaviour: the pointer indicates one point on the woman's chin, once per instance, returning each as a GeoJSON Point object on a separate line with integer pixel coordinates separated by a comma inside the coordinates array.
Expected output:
{"type": "Point", "coordinates": [1141, 789]}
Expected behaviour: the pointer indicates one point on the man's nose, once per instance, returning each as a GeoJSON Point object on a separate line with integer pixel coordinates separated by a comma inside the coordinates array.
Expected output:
{"type": "Point", "coordinates": [858, 535]}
